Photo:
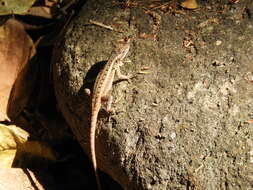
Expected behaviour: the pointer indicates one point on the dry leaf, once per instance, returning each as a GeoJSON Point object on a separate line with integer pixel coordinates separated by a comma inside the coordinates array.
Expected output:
{"type": "Point", "coordinates": [16, 178]}
{"type": "Point", "coordinates": [249, 121]}
{"type": "Point", "coordinates": [4, 97]}
{"type": "Point", "coordinates": [15, 7]}
{"type": "Point", "coordinates": [51, 3]}
{"type": "Point", "coordinates": [234, 1]}
{"type": "Point", "coordinates": [16, 48]}
{"type": "Point", "coordinates": [15, 147]}
{"type": "Point", "coordinates": [22, 90]}
{"type": "Point", "coordinates": [10, 137]}
{"type": "Point", "coordinates": [7, 158]}
{"type": "Point", "coordinates": [41, 11]}
{"type": "Point", "coordinates": [189, 4]}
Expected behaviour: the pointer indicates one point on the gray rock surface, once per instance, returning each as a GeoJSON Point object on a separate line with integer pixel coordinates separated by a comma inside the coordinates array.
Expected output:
{"type": "Point", "coordinates": [185, 123]}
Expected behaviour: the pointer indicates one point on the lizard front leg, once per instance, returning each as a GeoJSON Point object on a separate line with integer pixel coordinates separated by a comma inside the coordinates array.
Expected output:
{"type": "Point", "coordinates": [121, 76]}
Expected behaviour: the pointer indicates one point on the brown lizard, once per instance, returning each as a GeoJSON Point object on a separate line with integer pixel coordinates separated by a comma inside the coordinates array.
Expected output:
{"type": "Point", "coordinates": [100, 93]}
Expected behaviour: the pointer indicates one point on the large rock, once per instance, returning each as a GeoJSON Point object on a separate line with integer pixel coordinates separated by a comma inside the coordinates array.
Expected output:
{"type": "Point", "coordinates": [184, 124]}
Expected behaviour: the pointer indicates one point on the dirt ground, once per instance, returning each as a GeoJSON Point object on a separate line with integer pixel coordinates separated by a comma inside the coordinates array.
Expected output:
{"type": "Point", "coordinates": [185, 120]}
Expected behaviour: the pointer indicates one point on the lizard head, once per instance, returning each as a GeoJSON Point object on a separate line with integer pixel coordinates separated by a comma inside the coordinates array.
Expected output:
{"type": "Point", "coordinates": [122, 49]}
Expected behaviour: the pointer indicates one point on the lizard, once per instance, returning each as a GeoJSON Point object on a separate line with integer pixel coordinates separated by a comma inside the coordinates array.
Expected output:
{"type": "Point", "coordinates": [100, 93]}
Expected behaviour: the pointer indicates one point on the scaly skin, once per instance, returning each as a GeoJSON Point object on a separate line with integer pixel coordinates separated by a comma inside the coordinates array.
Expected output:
{"type": "Point", "coordinates": [100, 92]}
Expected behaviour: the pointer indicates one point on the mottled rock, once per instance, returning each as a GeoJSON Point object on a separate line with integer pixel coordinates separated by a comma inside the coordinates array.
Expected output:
{"type": "Point", "coordinates": [184, 124]}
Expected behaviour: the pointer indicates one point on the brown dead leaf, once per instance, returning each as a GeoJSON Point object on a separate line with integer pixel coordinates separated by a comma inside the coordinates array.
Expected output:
{"type": "Point", "coordinates": [41, 11]}
{"type": "Point", "coordinates": [249, 121]}
{"type": "Point", "coordinates": [22, 90]}
{"type": "Point", "coordinates": [189, 4]}
{"type": "Point", "coordinates": [234, 1]}
{"type": "Point", "coordinates": [16, 48]}
{"type": "Point", "coordinates": [51, 3]}
{"type": "Point", "coordinates": [16, 178]}
{"type": "Point", "coordinates": [4, 96]}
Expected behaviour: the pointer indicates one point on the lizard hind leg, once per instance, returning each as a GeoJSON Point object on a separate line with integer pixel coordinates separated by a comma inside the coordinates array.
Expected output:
{"type": "Point", "coordinates": [107, 101]}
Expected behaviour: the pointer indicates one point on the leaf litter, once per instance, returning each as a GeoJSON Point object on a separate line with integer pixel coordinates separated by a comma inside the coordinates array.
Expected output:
{"type": "Point", "coordinates": [31, 128]}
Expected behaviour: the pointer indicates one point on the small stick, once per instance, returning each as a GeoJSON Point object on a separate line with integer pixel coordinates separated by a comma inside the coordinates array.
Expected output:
{"type": "Point", "coordinates": [101, 25]}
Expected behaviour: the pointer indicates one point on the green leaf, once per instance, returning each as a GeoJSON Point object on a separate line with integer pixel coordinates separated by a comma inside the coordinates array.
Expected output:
{"type": "Point", "coordinates": [15, 6]}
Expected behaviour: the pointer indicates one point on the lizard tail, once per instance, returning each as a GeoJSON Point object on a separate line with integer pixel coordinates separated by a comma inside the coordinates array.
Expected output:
{"type": "Point", "coordinates": [93, 147]}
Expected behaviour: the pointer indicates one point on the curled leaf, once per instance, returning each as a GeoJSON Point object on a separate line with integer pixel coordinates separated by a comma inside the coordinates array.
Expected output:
{"type": "Point", "coordinates": [16, 48]}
